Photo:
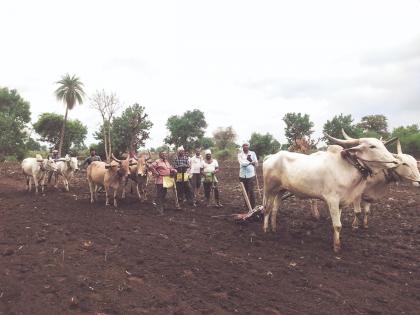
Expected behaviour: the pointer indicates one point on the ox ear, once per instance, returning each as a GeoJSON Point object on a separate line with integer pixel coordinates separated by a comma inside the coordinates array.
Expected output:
{"type": "Point", "coordinates": [354, 149]}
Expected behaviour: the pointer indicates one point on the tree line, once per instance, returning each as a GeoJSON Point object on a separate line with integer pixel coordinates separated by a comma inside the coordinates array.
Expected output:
{"type": "Point", "coordinates": [129, 130]}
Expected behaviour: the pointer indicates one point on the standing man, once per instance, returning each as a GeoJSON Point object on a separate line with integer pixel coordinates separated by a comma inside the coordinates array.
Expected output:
{"type": "Point", "coordinates": [196, 163]}
{"type": "Point", "coordinates": [247, 163]}
{"type": "Point", "coordinates": [55, 155]}
{"type": "Point", "coordinates": [161, 169]}
{"type": "Point", "coordinates": [182, 164]}
{"type": "Point", "coordinates": [210, 168]}
{"type": "Point", "coordinates": [92, 158]}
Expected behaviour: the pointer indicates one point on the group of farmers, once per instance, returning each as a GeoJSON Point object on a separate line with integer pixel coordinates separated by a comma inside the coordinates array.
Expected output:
{"type": "Point", "coordinates": [190, 172]}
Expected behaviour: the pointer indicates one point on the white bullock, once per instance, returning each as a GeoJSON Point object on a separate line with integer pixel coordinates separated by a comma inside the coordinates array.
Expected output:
{"type": "Point", "coordinates": [37, 169]}
{"type": "Point", "coordinates": [337, 176]}
{"type": "Point", "coordinates": [66, 167]}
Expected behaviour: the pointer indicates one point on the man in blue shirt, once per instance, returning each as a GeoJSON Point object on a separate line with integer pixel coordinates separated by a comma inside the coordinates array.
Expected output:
{"type": "Point", "coordinates": [247, 163]}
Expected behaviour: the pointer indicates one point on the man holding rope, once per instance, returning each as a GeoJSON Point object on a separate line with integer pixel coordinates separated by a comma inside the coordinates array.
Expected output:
{"type": "Point", "coordinates": [247, 163]}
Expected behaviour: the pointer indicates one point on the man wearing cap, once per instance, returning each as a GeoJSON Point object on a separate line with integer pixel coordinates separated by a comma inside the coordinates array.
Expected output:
{"type": "Point", "coordinates": [182, 164]}
{"type": "Point", "coordinates": [161, 168]}
{"type": "Point", "coordinates": [209, 170]}
{"type": "Point", "coordinates": [196, 163]}
{"type": "Point", "coordinates": [247, 163]}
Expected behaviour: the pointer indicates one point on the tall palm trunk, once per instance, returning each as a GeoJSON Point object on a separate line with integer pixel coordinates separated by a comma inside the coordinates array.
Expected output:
{"type": "Point", "coordinates": [63, 130]}
{"type": "Point", "coordinates": [109, 138]}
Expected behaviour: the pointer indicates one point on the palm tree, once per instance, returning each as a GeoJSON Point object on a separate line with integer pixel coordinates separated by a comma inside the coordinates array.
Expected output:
{"type": "Point", "coordinates": [70, 91]}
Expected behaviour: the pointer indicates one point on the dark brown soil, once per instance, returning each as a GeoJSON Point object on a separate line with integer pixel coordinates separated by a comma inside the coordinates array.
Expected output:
{"type": "Point", "coordinates": [61, 255]}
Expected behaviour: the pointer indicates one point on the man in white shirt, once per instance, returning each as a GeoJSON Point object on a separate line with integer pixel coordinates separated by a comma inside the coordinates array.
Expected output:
{"type": "Point", "coordinates": [247, 163]}
{"type": "Point", "coordinates": [196, 164]}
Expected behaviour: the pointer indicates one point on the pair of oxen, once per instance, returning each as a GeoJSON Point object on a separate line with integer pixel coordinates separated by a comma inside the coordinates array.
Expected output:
{"type": "Point", "coordinates": [37, 170]}
{"type": "Point", "coordinates": [116, 174]}
{"type": "Point", "coordinates": [350, 172]}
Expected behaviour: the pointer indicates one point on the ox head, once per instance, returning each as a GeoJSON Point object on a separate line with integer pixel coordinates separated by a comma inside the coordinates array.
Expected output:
{"type": "Point", "coordinates": [50, 165]}
{"type": "Point", "coordinates": [74, 164]}
{"type": "Point", "coordinates": [408, 166]}
{"type": "Point", "coordinates": [370, 151]}
{"type": "Point", "coordinates": [142, 164]}
{"type": "Point", "coordinates": [123, 166]}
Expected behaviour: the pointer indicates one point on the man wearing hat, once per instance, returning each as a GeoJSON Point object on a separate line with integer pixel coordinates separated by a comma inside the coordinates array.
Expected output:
{"type": "Point", "coordinates": [182, 163]}
{"type": "Point", "coordinates": [209, 170]}
{"type": "Point", "coordinates": [247, 163]}
{"type": "Point", "coordinates": [196, 164]}
{"type": "Point", "coordinates": [55, 155]}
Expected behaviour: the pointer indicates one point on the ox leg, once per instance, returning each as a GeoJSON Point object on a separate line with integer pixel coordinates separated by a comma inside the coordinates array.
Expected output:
{"type": "Point", "coordinates": [36, 184]}
{"type": "Point", "coordinates": [28, 183]}
{"type": "Point", "coordinates": [314, 209]}
{"type": "Point", "coordinates": [56, 181]}
{"type": "Point", "coordinates": [91, 189]}
{"type": "Point", "coordinates": [66, 184]}
{"type": "Point", "coordinates": [115, 197]}
{"type": "Point", "coordinates": [106, 196]}
{"type": "Point", "coordinates": [276, 203]}
{"type": "Point", "coordinates": [123, 189]}
{"type": "Point", "coordinates": [138, 192]}
{"type": "Point", "coordinates": [367, 212]}
{"type": "Point", "coordinates": [268, 208]}
{"type": "Point", "coordinates": [335, 213]}
{"type": "Point", "coordinates": [357, 213]}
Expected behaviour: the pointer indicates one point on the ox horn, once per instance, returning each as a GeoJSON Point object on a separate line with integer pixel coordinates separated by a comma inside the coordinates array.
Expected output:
{"type": "Point", "coordinates": [348, 142]}
{"type": "Point", "coordinates": [392, 140]}
{"type": "Point", "coordinates": [114, 158]}
{"type": "Point", "coordinates": [399, 150]}
{"type": "Point", "coordinates": [346, 136]}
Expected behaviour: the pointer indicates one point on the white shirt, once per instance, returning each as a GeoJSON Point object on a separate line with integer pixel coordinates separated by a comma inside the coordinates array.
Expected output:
{"type": "Point", "coordinates": [247, 170]}
{"type": "Point", "coordinates": [196, 164]}
{"type": "Point", "coordinates": [210, 167]}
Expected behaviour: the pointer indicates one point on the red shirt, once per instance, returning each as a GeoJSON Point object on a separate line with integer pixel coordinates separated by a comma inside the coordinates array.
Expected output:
{"type": "Point", "coordinates": [161, 168]}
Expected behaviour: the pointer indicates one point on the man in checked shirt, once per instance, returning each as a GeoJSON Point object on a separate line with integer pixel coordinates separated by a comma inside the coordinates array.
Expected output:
{"type": "Point", "coordinates": [182, 163]}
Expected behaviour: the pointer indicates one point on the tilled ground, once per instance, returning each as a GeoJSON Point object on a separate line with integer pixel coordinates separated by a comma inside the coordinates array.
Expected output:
{"type": "Point", "coordinates": [61, 255]}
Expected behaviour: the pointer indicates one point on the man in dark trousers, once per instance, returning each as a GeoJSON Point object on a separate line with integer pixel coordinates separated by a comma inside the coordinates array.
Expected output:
{"type": "Point", "coordinates": [92, 158]}
{"type": "Point", "coordinates": [247, 163]}
{"type": "Point", "coordinates": [182, 163]}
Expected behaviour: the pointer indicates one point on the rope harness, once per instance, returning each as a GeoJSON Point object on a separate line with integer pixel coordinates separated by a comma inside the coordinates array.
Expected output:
{"type": "Point", "coordinates": [363, 169]}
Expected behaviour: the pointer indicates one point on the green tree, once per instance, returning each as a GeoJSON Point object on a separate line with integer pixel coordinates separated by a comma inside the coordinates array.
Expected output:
{"type": "Point", "coordinates": [48, 126]}
{"type": "Point", "coordinates": [374, 125]}
{"type": "Point", "coordinates": [70, 91]}
{"type": "Point", "coordinates": [410, 139]}
{"type": "Point", "coordinates": [298, 126]}
{"type": "Point", "coordinates": [224, 142]}
{"type": "Point", "coordinates": [263, 144]}
{"type": "Point", "coordinates": [206, 143]}
{"type": "Point", "coordinates": [14, 116]}
{"type": "Point", "coordinates": [333, 127]}
{"type": "Point", "coordinates": [224, 138]}
{"type": "Point", "coordinates": [131, 129]}
{"type": "Point", "coordinates": [186, 130]}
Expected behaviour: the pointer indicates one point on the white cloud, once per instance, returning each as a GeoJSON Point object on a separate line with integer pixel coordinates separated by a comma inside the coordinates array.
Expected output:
{"type": "Point", "coordinates": [244, 63]}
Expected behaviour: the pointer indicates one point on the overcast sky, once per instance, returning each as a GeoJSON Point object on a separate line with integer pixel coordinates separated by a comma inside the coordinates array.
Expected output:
{"type": "Point", "coordinates": [244, 63]}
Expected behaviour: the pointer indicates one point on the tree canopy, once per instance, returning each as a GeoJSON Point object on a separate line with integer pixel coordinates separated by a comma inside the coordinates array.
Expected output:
{"type": "Point", "coordinates": [374, 126]}
{"type": "Point", "coordinates": [333, 127]}
{"type": "Point", "coordinates": [263, 144]}
{"type": "Point", "coordinates": [298, 126]}
{"type": "Point", "coordinates": [48, 126]}
{"type": "Point", "coordinates": [187, 130]}
{"type": "Point", "coordinates": [14, 116]}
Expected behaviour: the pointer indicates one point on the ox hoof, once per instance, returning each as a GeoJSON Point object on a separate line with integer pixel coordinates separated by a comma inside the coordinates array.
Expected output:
{"type": "Point", "coordinates": [337, 248]}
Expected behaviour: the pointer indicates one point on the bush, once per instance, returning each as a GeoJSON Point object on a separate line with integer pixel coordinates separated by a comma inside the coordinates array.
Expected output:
{"type": "Point", "coordinates": [225, 154]}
